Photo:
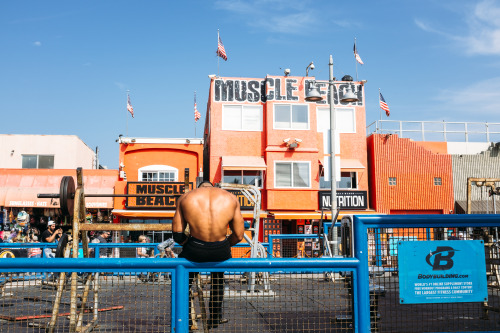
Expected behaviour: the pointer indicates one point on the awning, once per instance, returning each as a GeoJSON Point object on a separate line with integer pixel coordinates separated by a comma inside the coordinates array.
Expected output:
{"type": "Point", "coordinates": [350, 164]}
{"type": "Point", "coordinates": [20, 187]}
{"type": "Point", "coordinates": [243, 163]}
{"type": "Point", "coordinates": [315, 215]}
{"type": "Point", "coordinates": [344, 163]}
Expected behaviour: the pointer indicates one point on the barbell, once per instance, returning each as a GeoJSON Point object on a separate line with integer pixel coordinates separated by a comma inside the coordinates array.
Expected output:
{"type": "Point", "coordinates": [67, 191]}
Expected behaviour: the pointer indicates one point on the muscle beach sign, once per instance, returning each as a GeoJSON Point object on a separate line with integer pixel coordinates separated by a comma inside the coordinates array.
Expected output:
{"type": "Point", "coordinates": [279, 89]}
{"type": "Point", "coordinates": [165, 194]}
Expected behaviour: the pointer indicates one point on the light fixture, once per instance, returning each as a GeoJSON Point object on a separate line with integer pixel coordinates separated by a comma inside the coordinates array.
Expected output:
{"type": "Point", "coordinates": [188, 141]}
{"type": "Point", "coordinates": [211, 76]}
{"type": "Point", "coordinates": [312, 93]}
{"type": "Point", "coordinates": [286, 140]}
{"type": "Point", "coordinates": [310, 66]}
{"type": "Point", "coordinates": [12, 152]}
{"type": "Point", "coordinates": [349, 96]}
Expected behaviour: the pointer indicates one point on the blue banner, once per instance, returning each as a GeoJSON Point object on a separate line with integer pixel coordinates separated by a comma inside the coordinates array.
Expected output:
{"type": "Point", "coordinates": [442, 271]}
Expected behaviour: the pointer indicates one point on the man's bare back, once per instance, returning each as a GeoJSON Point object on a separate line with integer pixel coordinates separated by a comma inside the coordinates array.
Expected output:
{"type": "Point", "coordinates": [209, 211]}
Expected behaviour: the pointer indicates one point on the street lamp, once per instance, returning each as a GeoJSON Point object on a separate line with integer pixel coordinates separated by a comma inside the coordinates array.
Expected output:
{"type": "Point", "coordinates": [348, 97]}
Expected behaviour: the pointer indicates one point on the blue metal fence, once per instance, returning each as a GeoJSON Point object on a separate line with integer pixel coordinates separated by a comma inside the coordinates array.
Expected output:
{"type": "Point", "coordinates": [358, 266]}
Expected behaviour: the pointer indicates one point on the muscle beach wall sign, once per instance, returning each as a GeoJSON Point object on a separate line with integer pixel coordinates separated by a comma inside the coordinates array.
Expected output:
{"type": "Point", "coordinates": [159, 195]}
{"type": "Point", "coordinates": [279, 89]}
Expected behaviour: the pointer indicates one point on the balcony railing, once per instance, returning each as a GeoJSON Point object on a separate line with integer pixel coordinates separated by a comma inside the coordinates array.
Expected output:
{"type": "Point", "coordinates": [438, 130]}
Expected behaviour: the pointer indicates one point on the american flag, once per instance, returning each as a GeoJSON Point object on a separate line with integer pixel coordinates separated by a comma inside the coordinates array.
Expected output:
{"type": "Point", "coordinates": [197, 114]}
{"type": "Point", "coordinates": [356, 55]}
{"type": "Point", "coordinates": [130, 108]}
{"type": "Point", "coordinates": [383, 105]}
{"type": "Point", "coordinates": [221, 52]}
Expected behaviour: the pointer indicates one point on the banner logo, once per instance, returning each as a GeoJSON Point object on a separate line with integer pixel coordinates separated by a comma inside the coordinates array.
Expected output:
{"type": "Point", "coordinates": [441, 262]}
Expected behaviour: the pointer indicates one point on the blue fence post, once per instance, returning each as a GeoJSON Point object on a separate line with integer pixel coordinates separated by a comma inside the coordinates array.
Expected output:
{"type": "Point", "coordinates": [362, 288]}
{"type": "Point", "coordinates": [180, 298]}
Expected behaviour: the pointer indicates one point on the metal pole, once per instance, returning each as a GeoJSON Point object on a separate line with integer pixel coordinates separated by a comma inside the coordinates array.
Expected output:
{"type": "Point", "coordinates": [333, 195]}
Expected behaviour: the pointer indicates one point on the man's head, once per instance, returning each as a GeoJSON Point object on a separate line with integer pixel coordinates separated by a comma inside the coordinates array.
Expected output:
{"type": "Point", "coordinates": [105, 234]}
{"type": "Point", "coordinates": [205, 183]}
{"type": "Point", "coordinates": [51, 225]}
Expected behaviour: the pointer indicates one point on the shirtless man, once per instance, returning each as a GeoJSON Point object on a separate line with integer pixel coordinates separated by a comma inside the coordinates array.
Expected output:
{"type": "Point", "coordinates": [208, 211]}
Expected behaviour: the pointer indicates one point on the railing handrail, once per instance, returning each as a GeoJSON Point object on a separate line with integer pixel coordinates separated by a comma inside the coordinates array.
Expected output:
{"type": "Point", "coordinates": [466, 131]}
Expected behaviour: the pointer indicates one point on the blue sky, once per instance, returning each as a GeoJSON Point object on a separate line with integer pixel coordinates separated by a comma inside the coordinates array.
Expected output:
{"type": "Point", "coordinates": [67, 65]}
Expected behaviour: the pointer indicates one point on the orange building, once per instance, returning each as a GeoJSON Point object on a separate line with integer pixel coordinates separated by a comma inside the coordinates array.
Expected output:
{"type": "Point", "coordinates": [263, 132]}
{"type": "Point", "coordinates": [154, 166]}
{"type": "Point", "coordinates": [409, 177]}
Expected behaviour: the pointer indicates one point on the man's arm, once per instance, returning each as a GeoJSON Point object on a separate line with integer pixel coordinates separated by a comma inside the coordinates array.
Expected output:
{"type": "Point", "coordinates": [52, 238]}
{"type": "Point", "coordinates": [178, 223]}
{"type": "Point", "coordinates": [237, 226]}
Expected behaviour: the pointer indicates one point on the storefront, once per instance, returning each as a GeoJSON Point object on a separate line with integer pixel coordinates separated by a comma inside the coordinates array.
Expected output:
{"type": "Point", "coordinates": [23, 211]}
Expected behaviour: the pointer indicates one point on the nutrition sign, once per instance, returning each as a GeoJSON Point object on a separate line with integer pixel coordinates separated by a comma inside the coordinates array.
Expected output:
{"type": "Point", "coordinates": [161, 195]}
{"type": "Point", "coordinates": [442, 271]}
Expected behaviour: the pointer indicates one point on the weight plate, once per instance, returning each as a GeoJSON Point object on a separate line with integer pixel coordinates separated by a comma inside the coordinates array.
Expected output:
{"type": "Point", "coordinates": [61, 245]}
{"type": "Point", "coordinates": [70, 190]}
{"type": "Point", "coordinates": [67, 195]}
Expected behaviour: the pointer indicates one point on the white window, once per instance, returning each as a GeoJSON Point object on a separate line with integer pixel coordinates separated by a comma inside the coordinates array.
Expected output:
{"type": "Point", "coordinates": [158, 173]}
{"type": "Point", "coordinates": [345, 120]}
{"type": "Point", "coordinates": [292, 174]}
{"type": "Point", "coordinates": [348, 180]}
{"type": "Point", "coordinates": [38, 162]}
{"type": "Point", "coordinates": [248, 177]}
{"type": "Point", "coordinates": [242, 117]}
{"type": "Point", "coordinates": [291, 116]}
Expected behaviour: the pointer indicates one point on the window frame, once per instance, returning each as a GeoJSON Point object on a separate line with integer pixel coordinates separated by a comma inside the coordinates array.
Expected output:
{"type": "Point", "coordinates": [37, 160]}
{"type": "Point", "coordinates": [261, 175]}
{"type": "Point", "coordinates": [339, 129]}
{"type": "Point", "coordinates": [292, 180]}
{"type": "Point", "coordinates": [438, 181]}
{"type": "Point", "coordinates": [291, 117]}
{"type": "Point", "coordinates": [393, 181]}
{"type": "Point", "coordinates": [354, 181]}
{"type": "Point", "coordinates": [225, 127]}
{"type": "Point", "coordinates": [157, 169]}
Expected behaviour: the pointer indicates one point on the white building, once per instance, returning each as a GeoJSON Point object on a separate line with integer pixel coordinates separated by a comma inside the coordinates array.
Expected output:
{"type": "Point", "coordinates": [26, 151]}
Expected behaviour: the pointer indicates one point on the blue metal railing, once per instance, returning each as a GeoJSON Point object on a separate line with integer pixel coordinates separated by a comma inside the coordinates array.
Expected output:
{"type": "Point", "coordinates": [181, 268]}
{"type": "Point", "coordinates": [362, 223]}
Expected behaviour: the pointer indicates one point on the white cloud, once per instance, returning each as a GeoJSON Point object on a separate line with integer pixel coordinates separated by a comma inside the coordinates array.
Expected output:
{"type": "Point", "coordinates": [482, 34]}
{"type": "Point", "coordinates": [120, 85]}
{"type": "Point", "coordinates": [37, 43]}
{"type": "Point", "coordinates": [478, 99]}
{"type": "Point", "coordinates": [280, 16]}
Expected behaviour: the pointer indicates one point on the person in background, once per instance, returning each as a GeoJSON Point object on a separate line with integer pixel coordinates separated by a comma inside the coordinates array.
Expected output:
{"type": "Point", "coordinates": [142, 252]}
{"type": "Point", "coordinates": [51, 235]}
{"type": "Point", "coordinates": [101, 238]}
{"type": "Point", "coordinates": [34, 252]}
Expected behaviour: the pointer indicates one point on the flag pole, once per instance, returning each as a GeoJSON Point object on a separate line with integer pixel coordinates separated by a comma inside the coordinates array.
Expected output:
{"type": "Point", "coordinates": [126, 116]}
{"type": "Point", "coordinates": [355, 59]}
{"type": "Point", "coordinates": [380, 111]}
{"type": "Point", "coordinates": [195, 114]}
{"type": "Point", "coordinates": [218, 51]}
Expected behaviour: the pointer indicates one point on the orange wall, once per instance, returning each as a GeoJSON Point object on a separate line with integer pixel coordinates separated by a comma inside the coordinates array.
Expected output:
{"type": "Point", "coordinates": [269, 143]}
{"type": "Point", "coordinates": [137, 155]}
{"type": "Point", "coordinates": [414, 168]}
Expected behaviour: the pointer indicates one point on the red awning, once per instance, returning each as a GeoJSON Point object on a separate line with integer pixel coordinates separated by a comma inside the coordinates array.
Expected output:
{"type": "Point", "coordinates": [20, 187]}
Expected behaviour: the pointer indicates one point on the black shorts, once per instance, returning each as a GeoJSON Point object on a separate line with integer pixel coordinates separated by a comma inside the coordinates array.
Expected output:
{"type": "Point", "coordinates": [200, 251]}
